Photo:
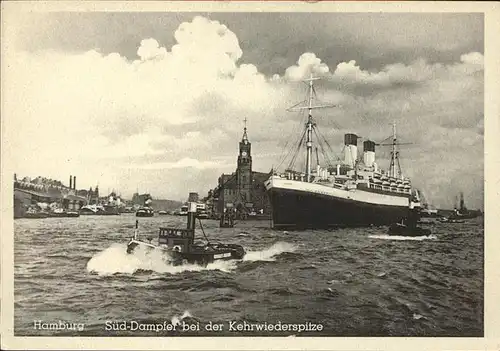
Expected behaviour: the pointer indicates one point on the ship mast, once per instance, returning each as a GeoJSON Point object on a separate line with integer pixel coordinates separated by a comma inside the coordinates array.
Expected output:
{"type": "Point", "coordinates": [393, 171]}
{"type": "Point", "coordinates": [309, 126]}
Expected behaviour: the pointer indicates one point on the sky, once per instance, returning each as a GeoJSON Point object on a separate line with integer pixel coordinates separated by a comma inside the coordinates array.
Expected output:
{"type": "Point", "coordinates": [155, 101]}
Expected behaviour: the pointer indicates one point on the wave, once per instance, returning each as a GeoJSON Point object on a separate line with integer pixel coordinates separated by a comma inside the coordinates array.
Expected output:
{"type": "Point", "coordinates": [398, 237]}
{"type": "Point", "coordinates": [270, 253]}
{"type": "Point", "coordinates": [176, 320]}
{"type": "Point", "coordinates": [115, 260]}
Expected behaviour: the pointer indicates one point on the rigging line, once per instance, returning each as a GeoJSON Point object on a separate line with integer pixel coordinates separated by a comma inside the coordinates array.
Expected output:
{"type": "Point", "coordinates": [283, 159]}
{"type": "Point", "coordinates": [290, 108]}
{"type": "Point", "coordinates": [330, 147]}
{"type": "Point", "coordinates": [292, 162]}
{"type": "Point", "coordinates": [323, 151]}
{"type": "Point", "coordinates": [203, 231]}
{"type": "Point", "coordinates": [293, 159]}
{"type": "Point", "coordinates": [291, 150]}
{"type": "Point", "coordinates": [325, 155]}
{"type": "Point", "coordinates": [386, 139]}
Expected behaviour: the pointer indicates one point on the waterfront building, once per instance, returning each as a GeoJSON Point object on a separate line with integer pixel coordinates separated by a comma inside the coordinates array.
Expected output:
{"type": "Point", "coordinates": [140, 200]}
{"type": "Point", "coordinates": [242, 190]}
{"type": "Point", "coordinates": [30, 192]}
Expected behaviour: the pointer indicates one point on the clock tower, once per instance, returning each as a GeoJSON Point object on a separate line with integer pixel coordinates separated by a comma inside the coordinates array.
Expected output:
{"type": "Point", "coordinates": [244, 170]}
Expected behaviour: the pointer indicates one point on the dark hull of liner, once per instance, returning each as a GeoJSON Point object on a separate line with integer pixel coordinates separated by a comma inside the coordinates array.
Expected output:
{"type": "Point", "coordinates": [297, 210]}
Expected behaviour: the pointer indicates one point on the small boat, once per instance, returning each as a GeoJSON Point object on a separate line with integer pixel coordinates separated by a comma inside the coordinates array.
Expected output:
{"type": "Point", "coordinates": [99, 210]}
{"type": "Point", "coordinates": [162, 213]}
{"type": "Point", "coordinates": [35, 215]}
{"type": "Point", "coordinates": [179, 247]}
{"type": "Point", "coordinates": [145, 212]}
{"type": "Point", "coordinates": [58, 212]}
{"type": "Point", "coordinates": [202, 215]}
{"type": "Point", "coordinates": [183, 211]}
{"type": "Point", "coordinates": [72, 214]}
{"type": "Point", "coordinates": [227, 218]}
{"type": "Point", "coordinates": [451, 220]}
{"type": "Point", "coordinates": [401, 229]}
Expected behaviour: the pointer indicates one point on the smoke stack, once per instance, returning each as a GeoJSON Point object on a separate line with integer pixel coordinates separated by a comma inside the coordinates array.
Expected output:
{"type": "Point", "coordinates": [368, 153]}
{"type": "Point", "coordinates": [351, 149]}
{"type": "Point", "coordinates": [71, 182]}
{"type": "Point", "coordinates": [74, 182]}
{"type": "Point", "coordinates": [191, 215]}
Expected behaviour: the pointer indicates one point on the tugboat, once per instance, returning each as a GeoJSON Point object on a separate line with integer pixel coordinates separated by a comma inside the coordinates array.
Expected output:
{"type": "Point", "coordinates": [179, 244]}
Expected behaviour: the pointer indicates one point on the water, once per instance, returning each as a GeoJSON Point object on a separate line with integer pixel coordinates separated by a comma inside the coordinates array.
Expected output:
{"type": "Point", "coordinates": [354, 282]}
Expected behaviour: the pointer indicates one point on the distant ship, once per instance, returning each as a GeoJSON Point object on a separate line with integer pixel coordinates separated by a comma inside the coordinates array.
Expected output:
{"type": "Point", "coordinates": [145, 211]}
{"type": "Point", "coordinates": [201, 211]}
{"type": "Point", "coordinates": [429, 211]}
{"type": "Point", "coordinates": [462, 212]}
{"type": "Point", "coordinates": [350, 193]}
{"type": "Point", "coordinates": [99, 210]}
{"type": "Point", "coordinates": [183, 211]}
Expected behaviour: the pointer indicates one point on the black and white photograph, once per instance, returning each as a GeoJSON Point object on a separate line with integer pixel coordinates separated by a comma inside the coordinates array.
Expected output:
{"type": "Point", "coordinates": [223, 171]}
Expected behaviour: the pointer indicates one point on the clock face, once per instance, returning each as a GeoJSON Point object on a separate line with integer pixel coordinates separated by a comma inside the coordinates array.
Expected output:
{"type": "Point", "coordinates": [244, 153]}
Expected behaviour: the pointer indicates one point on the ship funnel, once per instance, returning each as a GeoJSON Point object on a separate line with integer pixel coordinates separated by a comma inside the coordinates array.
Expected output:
{"type": "Point", "coordinates": [351, 149]}
{"type": "Point", "coordinates": [368, 153]}
{"type": "Point", "coordinates": [71, 182]}
{"type": "Point", "coordinates": [74, 182]}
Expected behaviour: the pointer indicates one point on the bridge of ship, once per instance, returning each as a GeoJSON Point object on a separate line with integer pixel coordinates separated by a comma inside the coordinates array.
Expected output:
{"type": "Point", "coordinates": [184, 238]}
{"type": "Point", "coordinates": [172, 237]}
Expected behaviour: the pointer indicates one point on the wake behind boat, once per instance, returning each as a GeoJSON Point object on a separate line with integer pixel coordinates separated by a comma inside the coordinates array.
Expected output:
{"type": "Point", "coordinates": [179, 246]}
{"type": "Point", "coordinates": [350, 193]}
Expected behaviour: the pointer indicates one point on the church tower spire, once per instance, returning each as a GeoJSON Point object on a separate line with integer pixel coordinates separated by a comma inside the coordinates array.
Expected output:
{"type": "Point", "coordinates": [244, 170]}
{"type": "Point", "coordinates": [245, 136]}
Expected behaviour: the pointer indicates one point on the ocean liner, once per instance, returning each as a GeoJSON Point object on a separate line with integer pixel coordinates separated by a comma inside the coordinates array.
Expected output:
{"type": "Point", "coordinates": [350, 192]}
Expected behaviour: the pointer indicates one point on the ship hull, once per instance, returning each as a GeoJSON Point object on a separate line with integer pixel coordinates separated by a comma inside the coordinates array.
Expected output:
{"type": "Point", "coordinates": [300, 208]}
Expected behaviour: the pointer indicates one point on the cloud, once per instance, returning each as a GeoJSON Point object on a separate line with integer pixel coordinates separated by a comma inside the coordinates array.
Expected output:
{"type": "Point", "coordinates": [164, 116]}
{"type": "Point", "coordinates": [474, 58]}
{"type": "Point", "coordinates": [150, 49]}
{"type": "Point", "coordinates": [307, 64]}
{"type": "Point", "coordinates": [183, 163]}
